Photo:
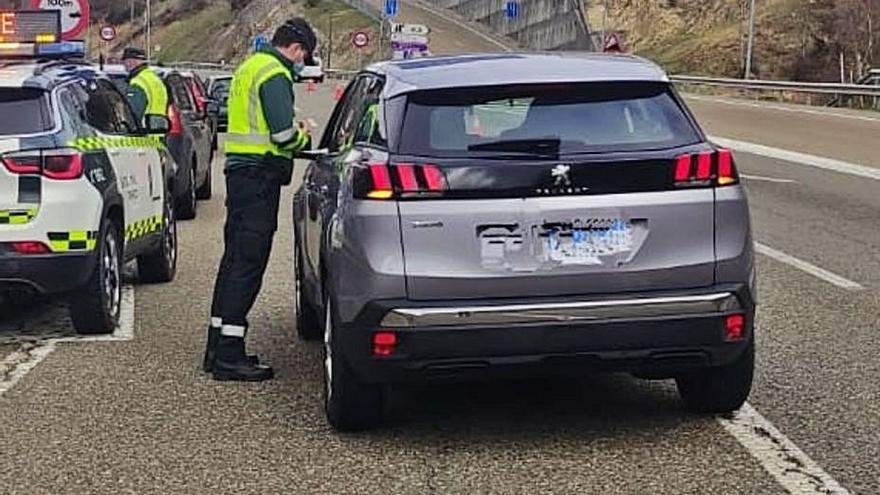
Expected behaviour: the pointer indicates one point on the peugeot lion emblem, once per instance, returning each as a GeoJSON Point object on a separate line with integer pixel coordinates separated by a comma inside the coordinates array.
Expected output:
{"type": "Point", "coordinates": [561, 174]}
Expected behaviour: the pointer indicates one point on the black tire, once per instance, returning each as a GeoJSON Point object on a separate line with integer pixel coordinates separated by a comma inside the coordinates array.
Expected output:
{"type": "Point", "coordinates": [207, 188]}
{"type": "Point", "coordinates": [95, 307]}
{"type": "Point", "coordinates": [719, 390]}
{"type": "Point", "coordinates": [187, 203]}
{"type": "Point", "coordinates": [160, 266]}
{"type": "Point", "coordinates": [350, 405]}
{"type": "Point", "coordinates": [309, 327]}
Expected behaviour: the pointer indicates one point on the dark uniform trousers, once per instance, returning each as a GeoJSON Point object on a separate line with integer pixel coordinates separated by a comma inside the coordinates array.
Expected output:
{"type": "Point", "coordinates": [252, 197]}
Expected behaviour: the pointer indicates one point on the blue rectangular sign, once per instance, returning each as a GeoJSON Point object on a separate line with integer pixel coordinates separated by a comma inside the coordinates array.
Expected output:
{"type": "Point", "coordinates": [512, 9]}
{"type": "Point", "coordinates": [391, 7]}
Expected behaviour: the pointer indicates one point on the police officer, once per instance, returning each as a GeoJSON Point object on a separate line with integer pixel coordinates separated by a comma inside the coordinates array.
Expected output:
{"type": "Point", "coordinates": [147, 93]}
{"type": "Point", "coordinates": [260, 145]}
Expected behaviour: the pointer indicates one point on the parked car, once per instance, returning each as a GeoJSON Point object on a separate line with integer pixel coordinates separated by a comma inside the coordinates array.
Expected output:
{"type": "Point", "coordinates": [313, 72]}
{"type": "Point", "coordinates": [190, 141]}
{"type": "Point", "coordinates": [204, 104]}
{"type": "Point", "coordinates": [218, 89]}
{"type": "Point", "coordinates": [190, 138]}
{"type": "Point", "coordinates": [473, 217]}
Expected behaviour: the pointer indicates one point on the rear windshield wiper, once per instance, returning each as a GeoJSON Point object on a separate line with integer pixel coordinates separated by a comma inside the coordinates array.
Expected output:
{"type": "Point", "coordinates": [534, 146]}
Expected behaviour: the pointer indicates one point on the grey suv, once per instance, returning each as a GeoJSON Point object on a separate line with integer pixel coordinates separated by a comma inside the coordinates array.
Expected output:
{"type": "Point", "coordinates": [520, 214]}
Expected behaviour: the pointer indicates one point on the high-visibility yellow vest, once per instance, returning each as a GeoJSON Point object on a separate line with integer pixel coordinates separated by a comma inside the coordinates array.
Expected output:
{"type": "Point", "coordinates": [157, 95]}
{"type": "Point", "coordinates": [248, 131]}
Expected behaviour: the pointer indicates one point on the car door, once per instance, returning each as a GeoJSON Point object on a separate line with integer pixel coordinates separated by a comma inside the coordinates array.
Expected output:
{"type": "Point", "coordinates": [197, 120]}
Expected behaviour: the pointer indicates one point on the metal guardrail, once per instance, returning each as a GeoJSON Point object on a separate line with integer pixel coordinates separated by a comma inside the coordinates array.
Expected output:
{"type": "Point", "coordinates": [794, 87]}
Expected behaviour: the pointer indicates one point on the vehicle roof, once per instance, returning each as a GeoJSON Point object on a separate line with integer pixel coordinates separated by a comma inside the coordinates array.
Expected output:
{"type": "Point", "coordinates": [494, 69]}
{"type": "Point", "coordinates": [43, 75]}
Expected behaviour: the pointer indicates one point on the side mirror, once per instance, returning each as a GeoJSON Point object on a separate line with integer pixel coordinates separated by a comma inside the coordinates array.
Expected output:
{"type": "Point", "coordinates": [157, 124]}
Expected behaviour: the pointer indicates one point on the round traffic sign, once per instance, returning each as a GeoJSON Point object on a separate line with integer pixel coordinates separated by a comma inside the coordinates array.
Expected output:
{"type": "Point", "coordinates": [360, 39]}
{"type": "Point", "coordinates": [108, 33]}
{"type": "Point", "coordinates": [74, 15]}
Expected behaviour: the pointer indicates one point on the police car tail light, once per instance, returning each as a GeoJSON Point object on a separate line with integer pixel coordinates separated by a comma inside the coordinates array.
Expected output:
{"type": "Point", "coordinates": [62, 165]}
{"type": "Point", "coordinates": [705, 169]}
{"type": "Point", "coordinates": [22, 163]}
{"type": "Point", "coordinates": [53, 164]}
{"type": "Point", "coordinates": [174, 118]}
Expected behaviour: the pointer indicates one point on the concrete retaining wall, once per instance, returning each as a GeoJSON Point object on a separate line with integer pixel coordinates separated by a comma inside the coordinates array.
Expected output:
{"type": "Point", "coordinates": [541, 25]}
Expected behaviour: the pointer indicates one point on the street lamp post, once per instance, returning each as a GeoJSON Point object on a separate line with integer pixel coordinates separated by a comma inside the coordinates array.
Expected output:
{"type": "Point", "coordinates": [148, 13]}
{"type": "Point", "coordinates": [751, 45]}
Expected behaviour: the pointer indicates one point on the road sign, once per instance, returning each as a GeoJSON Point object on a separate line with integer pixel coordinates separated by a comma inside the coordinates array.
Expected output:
{"type": "Point", "coordinates": [414, 29]}
{"type": "Point", "coordinates": [108, 33]}
{"type": "Point", "coordinates": [260, 42]}
{"type": "Point", "coordinates": [612, 43]}
{"type": "Point", "coordinates": [391, 8]}
{"type": "Point", "coordinates": [74, 15]}
{"type": "Point", "coordinates": [360, 39]}
{"type": "Point", "coordinates": [512, 9]}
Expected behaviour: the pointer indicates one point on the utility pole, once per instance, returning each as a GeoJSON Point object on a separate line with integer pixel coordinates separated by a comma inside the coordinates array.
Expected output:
{"type": "Point", "coordinates": [149, 20]}
{"type": "Point", "coordinates": [604, 21]}
{"type": "Point", "coordinates": [751, 46]}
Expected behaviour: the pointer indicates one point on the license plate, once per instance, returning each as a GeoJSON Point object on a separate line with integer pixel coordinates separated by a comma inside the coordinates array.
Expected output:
{"type": "Point", "coordinates": [586, 242]}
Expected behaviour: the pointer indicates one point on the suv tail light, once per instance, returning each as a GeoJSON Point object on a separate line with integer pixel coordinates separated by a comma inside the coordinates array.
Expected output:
{"type": "Point", "coordinates": [399, 181]}
{"type": "Point", "coordinates": [61, 164]}
{"type": "Point", "coordinates": [174, 117]}
{"type": "Point", "coordinates": [715, 168]}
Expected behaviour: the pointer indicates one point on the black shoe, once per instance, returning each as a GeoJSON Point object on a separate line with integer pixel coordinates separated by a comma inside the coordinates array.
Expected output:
{"type": "Point", "coordinates": [231, 363]}
{"type": "Point", "coordinates": [211, 350]}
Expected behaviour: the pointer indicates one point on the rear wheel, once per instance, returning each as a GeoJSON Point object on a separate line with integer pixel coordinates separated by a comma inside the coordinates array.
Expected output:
{"type": "Point", "coordinates": [95, 307]}
{"type": "Point", "coordinates": [308, 324]}
{"type": "Point", "coordinates": [350, 405]}
{"type": "Point", "coordinates": [207, 188]}
{"type": "Point", "coordinates": [719, 390]}
{"type": "Point", "coordinates": [160, 266]}
{"type": "Point", "coordinates": [186, 204]}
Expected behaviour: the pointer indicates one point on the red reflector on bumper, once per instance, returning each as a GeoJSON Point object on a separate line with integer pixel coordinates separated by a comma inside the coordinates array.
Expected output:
{"type": "Point", "coordinates": [30, 247]}
{"type": "Point", "coordinates": [734, 328]}
{"type": "Point", "coordinates": [384, 343]}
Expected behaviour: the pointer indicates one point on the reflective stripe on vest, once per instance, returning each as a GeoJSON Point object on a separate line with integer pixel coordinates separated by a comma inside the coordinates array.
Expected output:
{"type": "Point", "coordinates": [154, 88]}
{"type": "Point", "coordinates": [248, 131]}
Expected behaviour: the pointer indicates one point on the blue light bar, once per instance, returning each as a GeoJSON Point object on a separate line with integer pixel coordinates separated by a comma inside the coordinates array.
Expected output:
{"type": "Point", "coordinates": [62, 49]}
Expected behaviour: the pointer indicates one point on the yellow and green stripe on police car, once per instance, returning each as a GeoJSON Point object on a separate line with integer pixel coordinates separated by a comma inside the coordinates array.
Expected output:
{"type": "Point", "coordinates": [17, 216]}
{"type": "Point", "coordinates": [113, 142]}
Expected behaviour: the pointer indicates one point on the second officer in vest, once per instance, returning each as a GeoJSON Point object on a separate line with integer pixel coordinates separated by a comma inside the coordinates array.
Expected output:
{"type": "Point", "coordinates": [147, 93]}
{"type": "Point", "coordinates": [260, 146]}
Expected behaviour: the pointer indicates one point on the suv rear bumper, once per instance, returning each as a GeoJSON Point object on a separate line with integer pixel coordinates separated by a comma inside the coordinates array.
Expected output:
{"type": "Point", "coordinates": [49, 274]}
{"type": "Point", "coordinates": [658, 335]}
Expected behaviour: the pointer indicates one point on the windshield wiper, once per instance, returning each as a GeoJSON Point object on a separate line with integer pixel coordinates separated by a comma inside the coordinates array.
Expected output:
{"type": "Point", "coordinates": [533, 146]}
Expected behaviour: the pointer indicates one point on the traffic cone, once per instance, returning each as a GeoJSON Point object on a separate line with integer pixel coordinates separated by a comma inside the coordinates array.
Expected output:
{"type": "Point", "coordinates": [337, 95]}
{"type": "Point", "coordinates": [311, 86]}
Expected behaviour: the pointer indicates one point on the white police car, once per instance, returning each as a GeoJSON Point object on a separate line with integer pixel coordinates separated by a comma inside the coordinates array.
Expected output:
{"type": "Point", "coordinates": [83, 185]}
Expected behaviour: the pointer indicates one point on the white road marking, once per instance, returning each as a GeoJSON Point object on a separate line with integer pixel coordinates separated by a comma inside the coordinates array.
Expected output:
{"type": "Point", "coordinates": [313, 124]}
{"type": "Point", "coordinates": [767, 179]}
{"type": "Point", "coordinates": [446, 17]}
{"type": "Point", "coordinates": [820, 273]}
{"type": "Point", "coordinates": [799, 158]}
{"type": "Point", "coordinates": [21, 362]}
{"type": "Point", "coordinates": [782, 108]}
{"type": "Point", "coordinates": [790, 466]}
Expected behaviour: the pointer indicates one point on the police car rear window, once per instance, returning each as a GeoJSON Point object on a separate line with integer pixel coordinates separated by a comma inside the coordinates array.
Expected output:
{"type": "Point", "coordinates": [30, 108]}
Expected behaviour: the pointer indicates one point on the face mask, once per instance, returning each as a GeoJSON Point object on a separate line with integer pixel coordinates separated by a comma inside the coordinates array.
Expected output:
{"type": "Point", "coordinates": [298, 68]}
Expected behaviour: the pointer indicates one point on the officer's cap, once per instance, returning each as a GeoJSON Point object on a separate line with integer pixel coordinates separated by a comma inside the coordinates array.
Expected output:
{"type": "Point", "coordinates": [134, 53]}
{"type": "Point", "coordinates": [300, 30]}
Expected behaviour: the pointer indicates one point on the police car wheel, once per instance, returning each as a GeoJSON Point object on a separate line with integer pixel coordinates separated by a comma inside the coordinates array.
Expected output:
{"type": "Point", "coordinates": [186, 206]}
{"type": "Point", "coordinates": [349, 404]}
{"type": "Point", "coordinates": [94, 308]}
{"type": "Point", "coordinates": [308, 324]}
{"type": "Point", "coordinates": [160, 266]}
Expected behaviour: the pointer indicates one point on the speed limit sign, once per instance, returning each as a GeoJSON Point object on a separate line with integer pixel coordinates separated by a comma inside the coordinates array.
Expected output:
{"type": "Point", "coordinates": [360, 39]}
{"type": "Point", "coordinates": [74, 15]}
{"type": "Point", "coordinates": [108, 33]}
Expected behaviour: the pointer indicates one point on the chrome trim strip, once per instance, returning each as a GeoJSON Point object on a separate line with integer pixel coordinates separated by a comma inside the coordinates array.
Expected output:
{"type": "Point", "coordinates": [562, 312]}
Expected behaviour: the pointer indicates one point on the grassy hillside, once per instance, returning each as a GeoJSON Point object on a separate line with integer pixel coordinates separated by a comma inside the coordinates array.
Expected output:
{"type": "Point", "coordinates": [214, 31]}
{"type": "Point", "coordinates": [796, 39]}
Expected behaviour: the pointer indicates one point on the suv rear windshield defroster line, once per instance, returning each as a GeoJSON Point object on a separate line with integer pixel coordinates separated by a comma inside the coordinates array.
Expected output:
{"type": "Point", "coordinates": [581, 117]}
{"type": "Point", "coordinates": [24, 111]}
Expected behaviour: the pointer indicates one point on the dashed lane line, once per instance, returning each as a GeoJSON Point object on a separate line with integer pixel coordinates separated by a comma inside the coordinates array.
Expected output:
{"type": "Point", "coordinates": [820, 273]}
{"type": "Point", "coordinates": [761, 178]}
{"type": "Point", "coordinates": [799, 158]}
{"type": "Point", "coordinates": [790, 466]}
{"type": "Point", "coordinates": [21, 362]}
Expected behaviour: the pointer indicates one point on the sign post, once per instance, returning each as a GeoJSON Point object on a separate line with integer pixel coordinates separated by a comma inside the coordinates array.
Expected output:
{"type": "Point", "coordinates": [108, 34]}
{"type": "Point", "coordinates": [360, 40]}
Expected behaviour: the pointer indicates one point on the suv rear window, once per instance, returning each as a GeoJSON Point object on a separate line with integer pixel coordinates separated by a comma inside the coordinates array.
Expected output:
{"type": "Point", "coordinates": [567, 118]}
{"type": "Point", "coordinates": [30, 108]}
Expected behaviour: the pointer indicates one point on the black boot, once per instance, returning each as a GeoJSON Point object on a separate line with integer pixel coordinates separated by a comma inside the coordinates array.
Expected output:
{"type": "Point", "coordinates": [231, 363]}
{"type": "Point", "coordinates": [211, 350]}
